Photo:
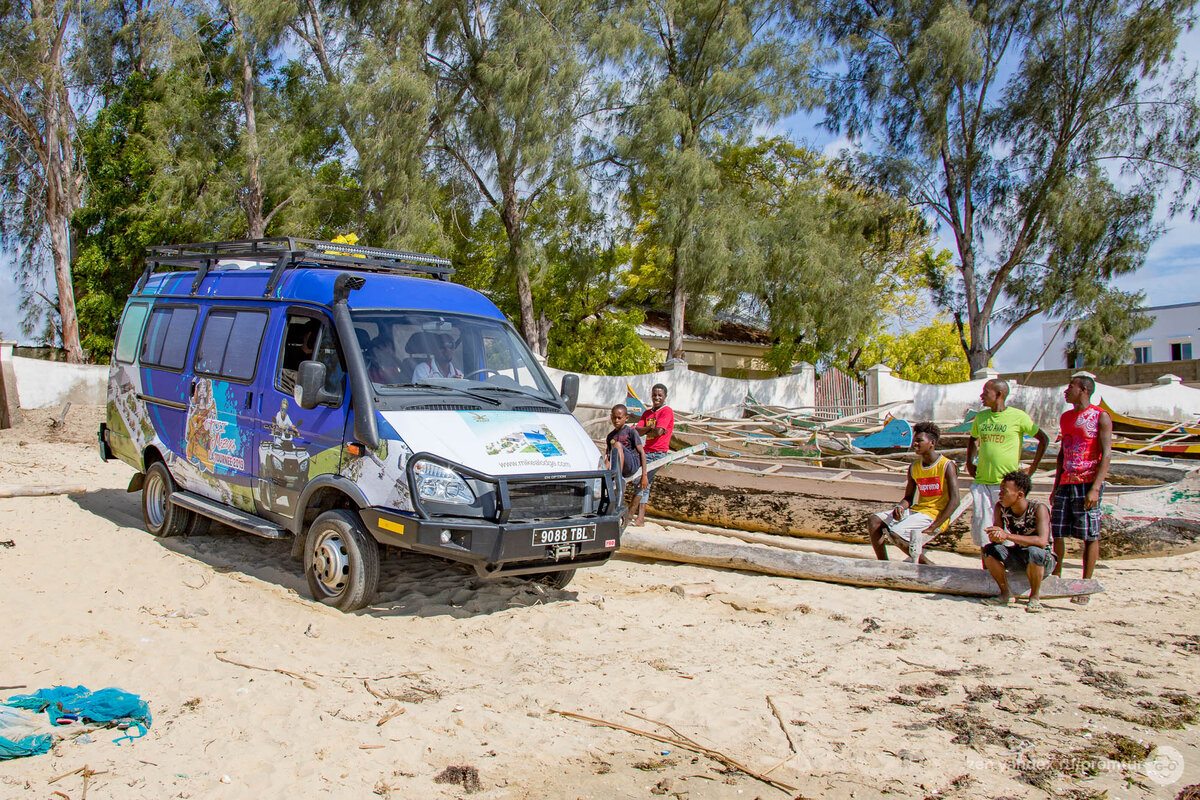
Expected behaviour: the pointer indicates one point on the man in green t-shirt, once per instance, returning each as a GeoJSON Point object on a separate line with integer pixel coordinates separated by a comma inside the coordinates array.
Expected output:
{"type": "Point", "coordinates": [997, 434]}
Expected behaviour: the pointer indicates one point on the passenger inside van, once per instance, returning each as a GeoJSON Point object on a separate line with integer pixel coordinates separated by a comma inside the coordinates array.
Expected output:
{"type": "Point", "coordinates": [384, 367]}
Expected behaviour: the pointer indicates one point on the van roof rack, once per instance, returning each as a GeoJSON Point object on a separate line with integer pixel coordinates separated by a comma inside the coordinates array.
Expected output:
{"type": "Point", "coordinates": [288, 251]}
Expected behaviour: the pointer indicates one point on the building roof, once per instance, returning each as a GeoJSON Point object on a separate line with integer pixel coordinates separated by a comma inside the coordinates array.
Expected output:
{"type": "Point", "coordinates": [729, 330]}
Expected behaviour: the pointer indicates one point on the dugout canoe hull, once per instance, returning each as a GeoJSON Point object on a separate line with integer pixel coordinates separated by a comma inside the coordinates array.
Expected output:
{"type": "Point", "coordinates": [818, 503]}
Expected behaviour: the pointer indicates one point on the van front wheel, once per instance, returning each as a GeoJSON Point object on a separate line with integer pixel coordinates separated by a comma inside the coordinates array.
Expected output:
{"type": "Point", "coordinates": [161, 516]}
{"type": "Point", "coordinates": [557, 580]}
{"type": "Point", "coordinates": [341, 561]}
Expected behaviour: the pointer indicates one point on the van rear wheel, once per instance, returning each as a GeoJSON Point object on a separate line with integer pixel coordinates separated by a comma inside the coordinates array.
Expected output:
{"type": "Point", "coordinates": [341, 561]}
{"type": "Point", "coordinates": [160, 515]}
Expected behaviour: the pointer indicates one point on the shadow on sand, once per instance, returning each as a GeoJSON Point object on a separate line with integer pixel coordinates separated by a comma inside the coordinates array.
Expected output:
{"type": "Point", "coordinates": [410, 584]}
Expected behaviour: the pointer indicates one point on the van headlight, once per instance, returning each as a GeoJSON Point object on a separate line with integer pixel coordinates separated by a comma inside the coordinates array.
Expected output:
{"type": "Point", "coordinates": [441, 484]}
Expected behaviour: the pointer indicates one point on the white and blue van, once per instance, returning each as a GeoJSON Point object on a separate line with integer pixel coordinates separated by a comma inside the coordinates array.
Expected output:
{"type": "Point", "coordinates": [352, 398]}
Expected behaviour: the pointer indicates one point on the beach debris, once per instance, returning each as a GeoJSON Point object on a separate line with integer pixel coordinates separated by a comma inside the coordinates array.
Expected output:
{"type": "Point", "coordinates": [465, 776]}
{"type": "Point", "coordinates": [66, 705]}
{"type": "Point", "coordinates": [62, 417]}
{"type": "Point", "coordinates": [782, 726]}
{"type": "Point", "coordinates": [310, 633]}
{"type": "Point", "coordinates": [973, 730]}
{"type": "Point", "coordinates": [220, 653]}
{"type": "Point", "coordinates": [395, 712]}
{"type": "Point", "coordinates": [680, 740]}
{"type": "Point", "coordinates": [8, 544]}
{"type": "Point", "coordinates": [1189, 792]}
{"type": "Point", "coordinates": [19, 490]}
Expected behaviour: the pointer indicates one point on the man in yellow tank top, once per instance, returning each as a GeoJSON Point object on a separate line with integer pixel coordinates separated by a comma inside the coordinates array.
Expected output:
{"type": "Point", "coordinates": [929, 499]}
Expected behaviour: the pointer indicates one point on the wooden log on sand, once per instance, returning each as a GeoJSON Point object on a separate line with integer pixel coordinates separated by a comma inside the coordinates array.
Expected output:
{"type": "Point", "coordinates": [17, 490]}
{"type": "Point", "coordinates": [833, 569]}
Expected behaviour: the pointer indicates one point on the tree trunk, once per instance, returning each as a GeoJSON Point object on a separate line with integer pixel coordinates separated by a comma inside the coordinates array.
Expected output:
{"type": "Point", "coordinates": [60, 252]}
{"type": "Point", "coordinates": [252, 200]}
{"type": "Point", "coordinates": [678, 307]}
{"type": "Point", "coordinates": [972, 582]}
{"type": "Point", "coordinates": [510, 215]}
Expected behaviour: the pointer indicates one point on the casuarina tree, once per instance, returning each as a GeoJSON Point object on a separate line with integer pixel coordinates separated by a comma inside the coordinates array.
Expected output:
{"type": "Point", "coordinates": [702, 72]}
{"type": "Point", "coordinates": [40, 175]}
{"type": "Point", "coordinates": [1039, 134]}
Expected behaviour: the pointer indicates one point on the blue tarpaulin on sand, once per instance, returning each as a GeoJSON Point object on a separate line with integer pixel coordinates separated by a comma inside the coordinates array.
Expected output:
{"type": "Point", "coordinates": [76, 704]}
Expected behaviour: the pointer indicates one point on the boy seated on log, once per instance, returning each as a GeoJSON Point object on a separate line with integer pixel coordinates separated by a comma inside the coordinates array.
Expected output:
{"type": "Point", "coordinates": [625, 445]}
{"type": "Point", "coordinates": [1019, 538]}
{"type": "Point", "coordinates": [930, 498]}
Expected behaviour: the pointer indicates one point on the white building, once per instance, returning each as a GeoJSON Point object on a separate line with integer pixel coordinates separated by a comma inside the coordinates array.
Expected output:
{"type": "Point", "coordinates": [1173, 336]}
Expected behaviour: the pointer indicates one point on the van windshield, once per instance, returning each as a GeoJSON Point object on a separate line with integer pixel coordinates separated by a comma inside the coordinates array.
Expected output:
{"type": "Point", "coordinates": [422, 349]}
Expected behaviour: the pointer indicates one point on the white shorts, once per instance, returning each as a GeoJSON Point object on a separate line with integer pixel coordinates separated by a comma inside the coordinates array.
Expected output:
{"type": "Point", "coordinates": [903, 529]}
{"type": "Point", "coordinates": [983, 505]}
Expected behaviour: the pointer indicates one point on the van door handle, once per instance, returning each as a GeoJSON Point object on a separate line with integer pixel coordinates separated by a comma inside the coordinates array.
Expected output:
{"type": "Point", "coordinates": [249, 400]}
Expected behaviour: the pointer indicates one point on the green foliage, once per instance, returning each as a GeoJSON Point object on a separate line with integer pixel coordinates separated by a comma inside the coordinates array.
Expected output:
{"type": "Point", "coordinates": [120, 216]}
{"type": "Point", "coordinates": [606, 345]}
{"type": "Point", "coordinates": [1103, 336]}
{"type": "Point", "coordinates": [930, 354]}
{"type": "Point", "coordinates": [704, 72]}
{"type": "Point", "coordinates": [514, 88]}
{"type": "Point", "coordinates": [1009, 122]}
{"type": "Point", "coordinates": [836, 258]}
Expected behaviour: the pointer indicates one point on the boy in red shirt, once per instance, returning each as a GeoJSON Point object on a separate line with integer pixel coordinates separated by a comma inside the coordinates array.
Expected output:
{"type": "Point", "coordinates": [1083, 459]}
{"type": "Point", "coordinates": [656, 426]}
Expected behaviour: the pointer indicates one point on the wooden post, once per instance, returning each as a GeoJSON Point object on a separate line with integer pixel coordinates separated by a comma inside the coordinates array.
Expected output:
{"type": "Point", "coordinates": [10, 405]}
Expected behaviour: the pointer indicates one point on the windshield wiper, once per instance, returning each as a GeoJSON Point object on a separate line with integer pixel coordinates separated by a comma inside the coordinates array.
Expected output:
{"type": "Point", "coordinates": [445, 388]}
{"type": "Point", "coordinates": [510, 390]}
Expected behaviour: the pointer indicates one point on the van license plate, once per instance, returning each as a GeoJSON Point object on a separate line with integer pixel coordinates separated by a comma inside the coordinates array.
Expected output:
{"type": "Point", "coordinates": [564, 535]}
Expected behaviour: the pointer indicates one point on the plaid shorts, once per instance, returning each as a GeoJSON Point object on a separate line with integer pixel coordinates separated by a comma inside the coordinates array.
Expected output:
{"type": "Point", "coordinates": [644, 494]}
{"type": "Point", "coordinates": [1068, 517]}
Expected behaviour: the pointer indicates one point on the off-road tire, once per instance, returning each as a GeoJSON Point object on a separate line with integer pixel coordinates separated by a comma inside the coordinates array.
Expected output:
{"type": "Point", "coordinates": [160, 516]}
{"type": "Point", "coordinates": [341, 561]}
{"type": "Point", "coordinates": [556, 580]}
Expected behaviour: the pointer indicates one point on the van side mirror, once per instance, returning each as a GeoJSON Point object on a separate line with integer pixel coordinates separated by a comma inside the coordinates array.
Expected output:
{"type": "Point", "coordinates": [570, 391]}
{"type": "Point", "coordinates": [310, 389]}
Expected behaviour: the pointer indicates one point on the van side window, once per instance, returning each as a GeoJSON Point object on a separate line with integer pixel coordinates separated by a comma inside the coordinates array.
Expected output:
{"type": "Point", "coordinates": [229, 344]}
{"type": "Point", "coordinates": [168, 336]}
{"type": "Point", "coordinates": [131, 332]}
{"type": "Point", "coordinates": [308, 338]}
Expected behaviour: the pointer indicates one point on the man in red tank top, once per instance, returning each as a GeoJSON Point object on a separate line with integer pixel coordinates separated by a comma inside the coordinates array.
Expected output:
{"type": "Point", "coordinates": [1083, 458]}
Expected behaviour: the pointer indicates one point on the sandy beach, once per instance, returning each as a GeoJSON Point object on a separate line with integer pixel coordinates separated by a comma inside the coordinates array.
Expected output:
{"type": "Point", "coordinates": [447, 686]}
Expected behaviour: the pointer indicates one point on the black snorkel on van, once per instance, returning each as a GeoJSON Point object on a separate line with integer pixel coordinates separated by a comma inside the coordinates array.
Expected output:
{"type": "Point", "coordinates": [366, 431]}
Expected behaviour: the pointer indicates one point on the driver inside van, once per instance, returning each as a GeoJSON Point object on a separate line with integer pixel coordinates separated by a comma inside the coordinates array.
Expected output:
{"type": "Point", "coordinates": [441, 365]}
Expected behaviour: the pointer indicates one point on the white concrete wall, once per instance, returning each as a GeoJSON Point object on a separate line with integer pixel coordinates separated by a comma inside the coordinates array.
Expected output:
{"type": "Point", "coordinates": [695, 392]}
{"type": "Point", "coordinates": [1169, 400]}
{"type": "Point", "coordinates": [41, 384]}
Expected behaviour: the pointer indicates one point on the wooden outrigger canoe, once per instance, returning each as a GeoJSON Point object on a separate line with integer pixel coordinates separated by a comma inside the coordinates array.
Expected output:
{"type": "Point", "coordinates": [801, 500]}
{"type": "Point", "coordinates": [1154, 437]}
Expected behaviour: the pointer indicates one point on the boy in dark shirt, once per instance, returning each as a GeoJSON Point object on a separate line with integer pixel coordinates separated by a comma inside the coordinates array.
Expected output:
{"type": "Point", "coordinates": [624, 442]}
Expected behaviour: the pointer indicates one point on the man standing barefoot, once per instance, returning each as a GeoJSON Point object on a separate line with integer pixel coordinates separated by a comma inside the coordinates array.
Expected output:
{"type": "Point", "coordinates": [997, 434]}
{"type": "Point", "coordinates": [1083, 460]}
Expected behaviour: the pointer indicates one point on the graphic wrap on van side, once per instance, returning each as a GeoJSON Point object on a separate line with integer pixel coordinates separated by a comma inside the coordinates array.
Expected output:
{"type": "Point", "coordinates": [381, 474]}
{"type": "Point", "coordinates": [215, 443]}
{"type": "Point", "coordinates": [128, 421]}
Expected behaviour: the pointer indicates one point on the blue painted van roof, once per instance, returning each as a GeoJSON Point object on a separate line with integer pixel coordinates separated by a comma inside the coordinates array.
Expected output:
{"type": "Point", "coordinates": [315, 285]}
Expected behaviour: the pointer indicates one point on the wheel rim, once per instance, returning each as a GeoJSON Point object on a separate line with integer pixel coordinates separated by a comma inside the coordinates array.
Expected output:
{"type": "Point", "coordinates": [156, 500]}
{"type": "Point", "coordinates": [331, 563]}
